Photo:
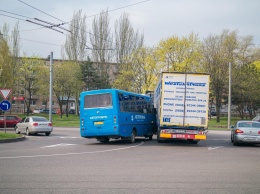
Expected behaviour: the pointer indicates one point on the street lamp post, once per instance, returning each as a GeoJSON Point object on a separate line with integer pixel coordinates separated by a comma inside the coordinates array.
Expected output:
{"type": "Point", "coordinates": [1, 36]}
{"type": "Point", "coordinates": [229, 95]}
{"type": "Point", "coordinates": [50, 92]}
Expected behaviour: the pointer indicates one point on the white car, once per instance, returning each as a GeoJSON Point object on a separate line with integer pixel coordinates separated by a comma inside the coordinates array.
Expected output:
{"type": "Point", "coordinates": [34, 125]}
{"type": "Point", "coordinates": [37, 110]}
{"type": "Point", "coordinates": [245, 132]}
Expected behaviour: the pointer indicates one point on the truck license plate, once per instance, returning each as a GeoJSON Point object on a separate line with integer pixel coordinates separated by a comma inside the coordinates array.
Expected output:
{"type": "Point", "coordinates": [183, 136]}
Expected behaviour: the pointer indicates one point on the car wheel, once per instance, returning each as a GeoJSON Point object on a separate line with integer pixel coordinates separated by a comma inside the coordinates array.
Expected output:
{"type": "Point", "coordinates": [231, 139]}
{"type": "Point", "coordinates": [27, 132]}
{"type": "Point", "coordinates": [235, 143]}
{"type": "Point", "coordinates": [132, 137]}
{"type": "Point", "coordinates": [16, 130]}
{"type": "Point", "coordinates": [47, 133]}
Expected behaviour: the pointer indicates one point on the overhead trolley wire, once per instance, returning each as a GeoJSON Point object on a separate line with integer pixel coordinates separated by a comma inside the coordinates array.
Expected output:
{"type": "Point", "coordinates": [40, 10]}
{"type": "Point", "coordinates": [59, 25]}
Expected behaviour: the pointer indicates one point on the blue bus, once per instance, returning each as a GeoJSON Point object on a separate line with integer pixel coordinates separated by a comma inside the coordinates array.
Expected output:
{"type": "Point", "coordinates": [116, 114]}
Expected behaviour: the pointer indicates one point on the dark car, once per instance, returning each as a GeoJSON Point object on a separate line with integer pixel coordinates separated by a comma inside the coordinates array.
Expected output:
{"type": "Point", "coordinates": [72, 111]}
{"type": "Point", "coordinates": [47, 111]}
{"type": "Point", "coordinates": [11, 120]}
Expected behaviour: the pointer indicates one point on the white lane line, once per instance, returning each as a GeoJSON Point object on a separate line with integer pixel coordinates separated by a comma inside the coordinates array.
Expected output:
{"type": "Point", "coordinates": [56, 145]}
{"type": "Point", "coordinates": [214, 148]}
{"type": "Point", "coordinates": [79, 153]}
{"type": "Point", "coordinates": [54, 137]}
{"type": "Point", "coordinates": [64, 137]}
{"type": "Point", "coordinates": [219, 139]}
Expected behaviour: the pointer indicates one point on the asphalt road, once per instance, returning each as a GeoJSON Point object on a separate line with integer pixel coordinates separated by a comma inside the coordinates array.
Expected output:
{"type": "Point", "coordinates": [66, 163]}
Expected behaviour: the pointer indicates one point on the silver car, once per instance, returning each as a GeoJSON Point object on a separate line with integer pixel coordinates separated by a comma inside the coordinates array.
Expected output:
{"type": "Point", "coordinates": [34, 125]}
{"type": "Point", "coordinates": [245, 132]}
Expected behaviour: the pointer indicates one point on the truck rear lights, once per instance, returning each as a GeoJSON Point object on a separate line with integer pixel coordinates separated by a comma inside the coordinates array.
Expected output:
{"type": "Point", "coordinates": [239, 131]}
{"type": "Point", "coordinates": [164, 131]}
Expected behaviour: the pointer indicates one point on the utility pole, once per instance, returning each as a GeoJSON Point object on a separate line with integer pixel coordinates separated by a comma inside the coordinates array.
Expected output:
{"type": "Point", "coordinates": [50, 93]}
{"type": "Point", "coordinates": [229, 95]}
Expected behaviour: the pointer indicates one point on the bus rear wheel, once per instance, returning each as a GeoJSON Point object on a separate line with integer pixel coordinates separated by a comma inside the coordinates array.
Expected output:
{"type": "Point", "coordinates": [132, 137]}
{"type": "Point", "coordinates": [103, 140]}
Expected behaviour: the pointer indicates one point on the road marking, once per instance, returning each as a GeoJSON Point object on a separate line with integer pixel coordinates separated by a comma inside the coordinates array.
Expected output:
{"type": "Point", "coordinates": [55, 137]}
{"type": "Point", "coordinates": [67, 154]}
{"type": "Point", "coordinates": [219, 139]}
{"type": "Point", "coordinates": [63, 137]}
{"type": "Point", "coordinates": [56, 145]}
{"type": "Point", "coordinates": [214, 148]}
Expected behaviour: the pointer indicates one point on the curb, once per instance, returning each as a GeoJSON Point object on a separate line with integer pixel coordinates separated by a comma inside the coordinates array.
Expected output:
{"type": "Point", "coordinates": [13, 139]}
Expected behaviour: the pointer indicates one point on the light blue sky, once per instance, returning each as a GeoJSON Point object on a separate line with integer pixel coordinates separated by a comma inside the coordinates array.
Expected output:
{"type": "Point", "coordinates": [156, 19]}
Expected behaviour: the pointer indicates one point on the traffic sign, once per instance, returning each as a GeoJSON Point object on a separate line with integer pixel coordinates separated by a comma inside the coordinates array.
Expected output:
{"type": "Point", "coordinates": [5, 93]}
{"type": "Point", "coordinates": [5, 105]}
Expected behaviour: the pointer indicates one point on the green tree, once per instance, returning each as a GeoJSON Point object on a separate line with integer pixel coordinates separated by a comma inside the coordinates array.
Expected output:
{"type": "Point", "coordinates": [30, 78]}
{"type": "Point", "coordinates": [245, 89]}
{"type": "Point", "coordinates": [75, 45]}
{"type": "Point", "coordinates": [179, 54]}
{"type": "Point", "coordinates": [127, 40]}
{"type": "Point", "coordinates": [139, 73]}
{"type": "Point", "coordinates": [218, 51]}
{"type": "Point", "coordinates": [66, 82]}
{"type": "Point", "coordinates": [6, 76]}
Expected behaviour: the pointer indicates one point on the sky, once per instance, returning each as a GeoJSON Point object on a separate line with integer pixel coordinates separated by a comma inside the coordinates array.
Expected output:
{"type": "Point", "coordinates": [156, 19]}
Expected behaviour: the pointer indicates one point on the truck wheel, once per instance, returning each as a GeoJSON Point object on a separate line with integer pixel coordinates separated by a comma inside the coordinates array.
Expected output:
{"type": "Point", "coordinates": [192, 141]}
{"type": "Point", "coordinates": [158, 139]}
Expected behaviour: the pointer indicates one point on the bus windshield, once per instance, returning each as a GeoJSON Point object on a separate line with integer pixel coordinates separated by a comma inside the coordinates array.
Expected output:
{"type": "Point", "coordinates": [98, 100]}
